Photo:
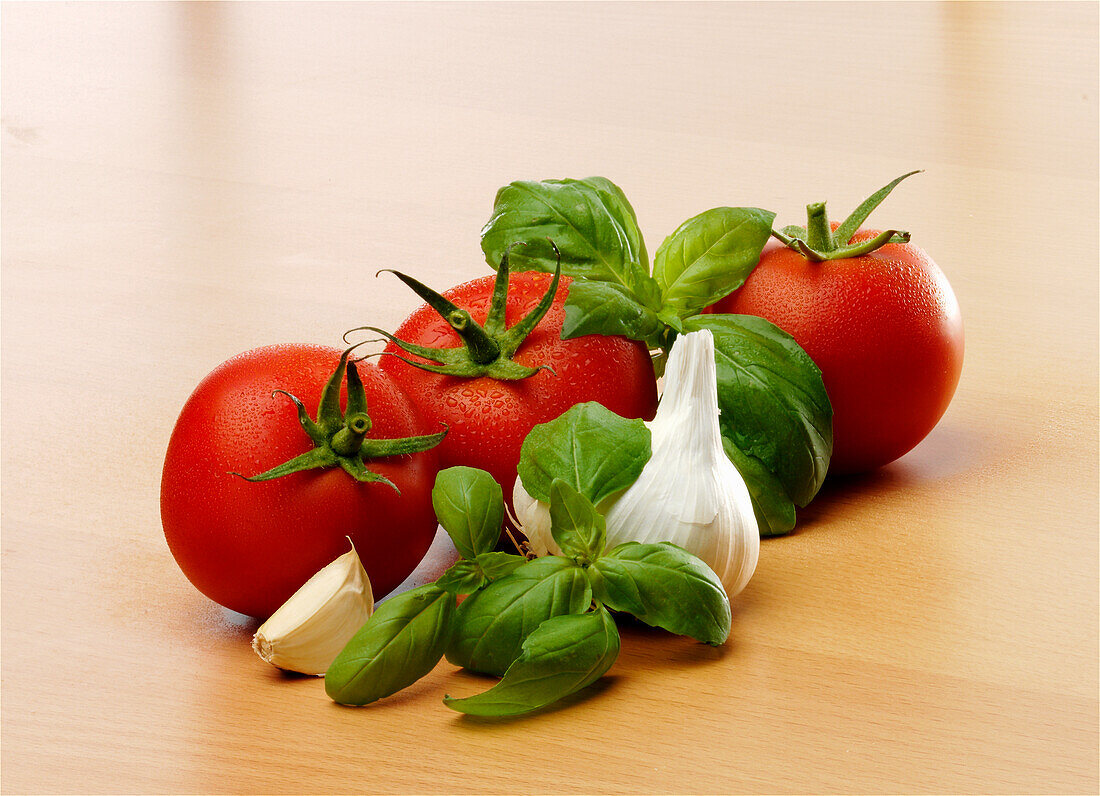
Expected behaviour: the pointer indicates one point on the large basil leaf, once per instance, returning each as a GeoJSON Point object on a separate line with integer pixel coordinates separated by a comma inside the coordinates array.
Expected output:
{"type": "Point", "coordinates": [591, 448]}
{"type": "Point", "coordinates": [775, 514]}
{"type": "Point", "coordinates": [590, 221]}
{"type": "Point", "coordinates": [491, 624]}
{"type": "Point", "coordinates": [772, 400]}
{"type": "Point", "coordinates": [664, 586]}
{"type": "Point", "coordinates": [564, 655]}
{"type": "Point", "coordinates": [709, 256]}
{"type": "Point", "coordinates": [399, 644]}
{"type": "Point", "coordinates": [607, 308]}
{"type": "Point", "coordinates": [470, 506]}
{"type": "Point", "coordinates": [579, 530]}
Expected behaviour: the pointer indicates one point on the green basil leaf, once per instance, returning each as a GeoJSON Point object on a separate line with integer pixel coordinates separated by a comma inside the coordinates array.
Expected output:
{"type": "Point", "coordinates": [589, 447]}
{"type": "Point", "coordinates": [491, 624]}
{"type": "Point", "coordinates": [401, 642]}
{"type": "Point", "coordinates": [577, 527]}
{"type": "Point", "coordinates": [772, 400]}
{"type": "Point", "coordinates": [470, 506]}
{"type": "Point", "coordinates": [562, 656]}
{"type": "Point", "coordinates": [497, 565]}
{"type": "Point", "coordinates": [774, 511]}
{"type": "Point", "coordinates": [709, 256]}
{"type": "Point", "coordinates": [664, 586]}
{"type": "Point", "coordinates": [590, 221]}
{"type": "Point", "coordinates": [462, 577]}
{"type": "Point", "coordinates": [606, 308]}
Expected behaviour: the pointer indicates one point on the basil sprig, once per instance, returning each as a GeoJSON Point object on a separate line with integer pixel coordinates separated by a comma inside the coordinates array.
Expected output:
{"type": "Point", "coordinates": [543, 626]}
{"type": "Point", "coordinates": [776, 417]}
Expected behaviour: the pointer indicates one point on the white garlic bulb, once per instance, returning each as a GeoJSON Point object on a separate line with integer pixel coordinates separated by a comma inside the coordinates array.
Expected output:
{"type": "Point", "coordinates": [309, 630]}
{"type": "Point", "coordinates": [689, 492]}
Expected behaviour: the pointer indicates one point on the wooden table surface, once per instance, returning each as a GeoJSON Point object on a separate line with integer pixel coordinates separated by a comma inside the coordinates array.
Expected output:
{"type": "Point", "coordinates": [183, 182]}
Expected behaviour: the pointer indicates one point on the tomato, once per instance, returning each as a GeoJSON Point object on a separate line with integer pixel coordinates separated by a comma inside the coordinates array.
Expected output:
{"type": "Point", "coordinates": [489, 417]}
{"type": "Point", "coordinates": [250, 545]}
{"type": "Point", "coordinates": [884, 328]}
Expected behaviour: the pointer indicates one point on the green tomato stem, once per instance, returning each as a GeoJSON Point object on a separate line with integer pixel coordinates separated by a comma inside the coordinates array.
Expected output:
{"type": "Point", "coordinates": [819, 235]}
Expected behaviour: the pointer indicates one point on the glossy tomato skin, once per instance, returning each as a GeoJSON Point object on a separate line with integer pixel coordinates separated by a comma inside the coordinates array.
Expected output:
{"type": "Point", "coordinates": [250, 546]}
{"type": "Point", "coordinates": [488, 418]}
{"type": "Point", "coordinates": [884, 328]}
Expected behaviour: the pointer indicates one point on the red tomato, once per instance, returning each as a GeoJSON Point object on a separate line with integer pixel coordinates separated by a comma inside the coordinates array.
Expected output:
{"type": "Point", "coordinates": [885, 330]}
{"type": "Point", "coordinates": [489, 418]}
{"type": "Point", "coordinates": [250, 545]}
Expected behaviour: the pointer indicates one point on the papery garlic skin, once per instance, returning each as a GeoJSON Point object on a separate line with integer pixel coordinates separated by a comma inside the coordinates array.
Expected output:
{"type": "Point", "coordinates": [689, 492]}
{"type": "Point", "coordinates": [309, 630]}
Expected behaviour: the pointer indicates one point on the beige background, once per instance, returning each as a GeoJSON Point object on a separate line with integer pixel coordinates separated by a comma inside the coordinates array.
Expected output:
{"type": "Point", "coordinates": [183, 182]}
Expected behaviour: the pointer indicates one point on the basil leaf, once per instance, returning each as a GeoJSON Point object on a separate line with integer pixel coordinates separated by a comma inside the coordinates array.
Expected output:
{"type": "Point", "coordinates": [401, 642]}
{"type": "Point", "coordinates": [470, 506]}
{"type": "Point", "coordinates": [664, 586]}
{"type": "Point", "coordinates": [590, 221]}
{"type": "Point", "coordinates": [774, 511]}
{"type": "Point", "coordinates": [564, 655]}
{"type": "Point", "coordinates": [462, 577]}
{"type": "Point", "coordinates": [589, 447]}
{"type": "Point", "coordinates": [606, 308]}
{"type": "Point", "coordinates": [772, 400]}
{"type": "Point", "coordinates": [498, 565]}
{"type": "Point", "coordinates": [709, 256]}
{"type": "Point", "coordinates": [577, 527]}
{"type": "Point", "coordinates": [491, 624]}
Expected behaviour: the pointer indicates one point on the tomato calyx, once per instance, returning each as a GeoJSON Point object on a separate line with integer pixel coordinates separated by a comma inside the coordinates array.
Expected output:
{"type": "Point", "coordinates": [339, 437]}
{"type": "Point", "coordinates": [486, 350]}
{"type": "Point", "coordinates": [818, 241]}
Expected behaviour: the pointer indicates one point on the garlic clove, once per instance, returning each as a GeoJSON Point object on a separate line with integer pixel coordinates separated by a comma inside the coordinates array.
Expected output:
{"type": "Point", "coordinates": [534, 521]}
{"type": "Point", "coordinates": [311, 628]}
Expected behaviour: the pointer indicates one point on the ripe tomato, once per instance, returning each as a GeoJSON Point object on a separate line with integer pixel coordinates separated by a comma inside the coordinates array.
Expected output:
{"type": "Point", "coordinates": [885, 330]}
{"type": "Point", "coordinates": [488, 417]}
{"type": "Point", "coordinates": [249, 546]}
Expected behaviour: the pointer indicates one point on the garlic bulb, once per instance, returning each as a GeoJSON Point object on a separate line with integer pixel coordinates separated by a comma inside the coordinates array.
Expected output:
{"type": "Point", "coordinates": [309, 630]}
{"type": "Point", "coordinates": [689, 492]}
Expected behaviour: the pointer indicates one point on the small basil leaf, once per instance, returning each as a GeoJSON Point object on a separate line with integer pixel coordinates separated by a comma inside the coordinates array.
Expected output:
{"type": "Point", "coordinates": [775, 514]}
{"type": "Point", "coordinates": [664, 586]}
{"type": "Point", "coordinates": [463, 577]}
{"type": "Point", "coordinates": [772, 400]}
{"type": "Point", "coordinates": [590, 221]}
{"type": "Point", "coordinates": [610, 309]}
{"type": "Point", "coordinates": [577, 527]}
{"type": "Point", "coordinates": [709, 256]}
{"type": "Point", "coordinates": [562, 656]}
{"type": "Point", "coordinates": [589, 447]}
{"type": "Point", "coordinates": [470, 506]}
{"type": "Point", "coordinates": [491, 624]}
{"type": "Point", "coordinates": [399, 644]}
{"type": "Point", "coordinates": [497, 565]}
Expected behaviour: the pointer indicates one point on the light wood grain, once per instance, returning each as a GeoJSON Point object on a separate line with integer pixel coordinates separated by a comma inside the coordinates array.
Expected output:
{"type": "Point", "coordinates": [183, 182]}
